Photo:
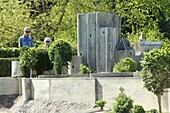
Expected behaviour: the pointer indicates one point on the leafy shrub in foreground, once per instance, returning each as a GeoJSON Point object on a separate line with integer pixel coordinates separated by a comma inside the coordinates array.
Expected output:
{"type": "Point", "coordinates": [123, 103]}
{"type": "Point", "coordinates": [101, 103]}
{"type": "Point", "coordinates": [138, 109]}
{"type": "Point", "coordinates": [153, 111]}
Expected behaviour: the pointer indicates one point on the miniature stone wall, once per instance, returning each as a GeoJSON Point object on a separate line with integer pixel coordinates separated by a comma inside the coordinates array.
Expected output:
{"type": "Point", "coordinates": [84, 89]}
{"type": "Point", "coordinates": [89, 90]}
{"type": "Point", "coordinates": [10, 86]}
{"type": "Point", "coordinates": [100, 45]}
{"type": "Point", "coordinates": [98, 35]}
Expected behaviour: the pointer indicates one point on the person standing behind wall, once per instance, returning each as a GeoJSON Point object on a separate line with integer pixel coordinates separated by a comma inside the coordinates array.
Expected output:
{"type": "Point", "coordinates": [47, 42]}
{"type": "Point", "coordinates": [25, 39]}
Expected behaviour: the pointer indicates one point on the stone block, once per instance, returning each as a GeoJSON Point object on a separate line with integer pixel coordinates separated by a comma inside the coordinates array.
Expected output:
{"type": "Point", "coordinates": [15, 69]}
{"type": "Point", "coordinates": [73, 90]}
{"type": "Point", "coordinates": [82, 36]}
{"type": "Point", "coordinates": [74, 65]}
{"type": "Point", "coordinates": [40, 88]}
{"type": "Point", "coordinates": [26, 89]}
{"type": "Point", "coordinates": [9, 86]}
{"type": "Point", "coordinates": [91, 41]}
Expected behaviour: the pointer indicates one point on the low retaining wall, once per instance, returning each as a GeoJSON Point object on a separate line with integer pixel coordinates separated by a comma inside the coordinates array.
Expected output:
{"type": "Point", "coordinates": [108, 89]}
{"type": "Point", "coordinates": [67, 89]}
{"type": "Point", "coordinates": [10, 86]}
{"type": "Point", "coordinates": [84, 90]}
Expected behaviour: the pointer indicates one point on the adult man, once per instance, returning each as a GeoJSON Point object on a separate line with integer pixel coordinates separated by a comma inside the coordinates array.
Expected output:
{"type": "Point", "coordinates": [25, 39]}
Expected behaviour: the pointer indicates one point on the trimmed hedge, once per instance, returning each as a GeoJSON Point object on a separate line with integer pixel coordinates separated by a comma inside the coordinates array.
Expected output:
{"type": "Point", "coordinates": [9, 52]}
{"type": "Point", "coordinates": [5, 66]}
{"type": "Point", "coordinates": [7, 55]}
{"type": "Point", "coordinates": [44, 63]}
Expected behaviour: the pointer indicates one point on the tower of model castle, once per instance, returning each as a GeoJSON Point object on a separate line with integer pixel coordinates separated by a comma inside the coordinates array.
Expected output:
{"type": "Point", "coordinates": [100, 45]}
{"type": "Point", "coordinates": [98, 35]}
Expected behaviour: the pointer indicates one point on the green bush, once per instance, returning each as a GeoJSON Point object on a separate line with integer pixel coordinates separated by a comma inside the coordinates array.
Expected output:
{"type": "Point", "coordinates": [5, 66]}
{"type": "Point", "coordinates": [57, 63]}
{"type": "Point", "coordinates": [101, 103]}
{"type": "Point", "coordinates": [138, 109]}
{"type": "Point", "coordinates": [43, 63]}
{"type": "Point", "coordinates": [64, 49]}
{"type": "Point", "coordinates": [123, 103]}
{"type": "Point", "coordinates": [9, 52]}
{"type": "Point", "coordinates": [125, 65]}
{"type": "Point", "coordinates": [28, 60]}
{"type": "Point", "coordinates": [84, 69]}
{"type": "Point", "coordinates": [153, 111]}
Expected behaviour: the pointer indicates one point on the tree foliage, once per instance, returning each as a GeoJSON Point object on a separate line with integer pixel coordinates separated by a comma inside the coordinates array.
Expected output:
{"type": "Point", "coordinates": [13, 18]}
{"type": "Point", "coordinates": [156, 72]}
{"type": "Point", "coordinates": [58, 19]}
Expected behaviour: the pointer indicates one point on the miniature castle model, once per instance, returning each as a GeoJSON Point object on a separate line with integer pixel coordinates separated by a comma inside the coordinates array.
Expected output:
{"type": "Point", "coordinates": [100, 45]}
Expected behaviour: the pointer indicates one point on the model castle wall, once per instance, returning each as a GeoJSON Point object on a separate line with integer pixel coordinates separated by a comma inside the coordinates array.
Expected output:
{"type": "Point", "coordinates": [100, 45]}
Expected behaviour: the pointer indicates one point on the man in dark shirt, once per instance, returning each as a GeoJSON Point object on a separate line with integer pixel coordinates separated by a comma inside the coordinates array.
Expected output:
{"type": "Point", "coordinates": [25, 39]}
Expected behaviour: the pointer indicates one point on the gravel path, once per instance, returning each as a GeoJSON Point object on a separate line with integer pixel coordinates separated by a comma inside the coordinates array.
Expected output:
{"type": "Point", "coordinates": [40, 106]}
{"type": "Point", "coordinates": [48, 106]}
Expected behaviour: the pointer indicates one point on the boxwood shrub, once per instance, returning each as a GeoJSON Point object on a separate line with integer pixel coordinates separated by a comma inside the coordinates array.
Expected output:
{"type": "Point", "coordinates": [64, 49]}
{"type": "Point", "coordinates": [125, 65]}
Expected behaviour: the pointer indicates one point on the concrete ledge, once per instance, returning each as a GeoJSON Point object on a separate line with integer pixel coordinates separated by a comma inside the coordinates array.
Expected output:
{"type": "Point", "coordinates": [10, 86]}
{"type": "Point", "coordinates": [101, 74]}
{"type": "Point", "coordinates": [63, 76]}
{"type": "Point", "coordinates": [107, 74]}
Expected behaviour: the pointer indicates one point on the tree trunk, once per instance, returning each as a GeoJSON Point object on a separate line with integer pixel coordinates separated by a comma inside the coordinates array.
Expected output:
{"type": "Point", "coordinates": [26, 72]}
{"type": "Point", "coordinates": [159, 102]}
